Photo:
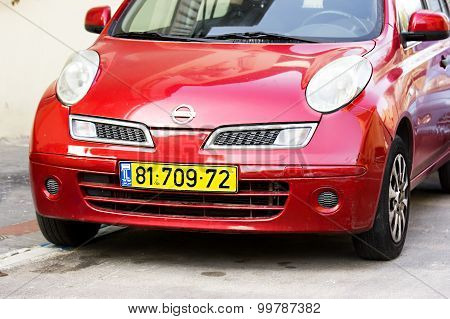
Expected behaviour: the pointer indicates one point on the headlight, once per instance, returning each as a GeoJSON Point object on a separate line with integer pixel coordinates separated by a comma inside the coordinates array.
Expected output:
{"type": "Point", "coordinates": [338, 83]}
{"type": "Point", "coordinates": [77, 76]}
{"type": "Point", "coordinates": [93, 129]}
{"type": "Point", "coordinates": [274, 136]}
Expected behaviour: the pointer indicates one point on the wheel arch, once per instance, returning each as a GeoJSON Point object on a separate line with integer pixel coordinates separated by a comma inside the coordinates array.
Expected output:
{"type": "Point", "coordinates": [405, 132]}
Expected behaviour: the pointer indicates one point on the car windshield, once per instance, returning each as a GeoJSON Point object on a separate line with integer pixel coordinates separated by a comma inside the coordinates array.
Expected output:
{"type": "Point", "coordinates": [247, 20]}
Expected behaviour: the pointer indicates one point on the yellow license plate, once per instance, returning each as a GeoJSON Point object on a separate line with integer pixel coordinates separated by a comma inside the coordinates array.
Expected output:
{"type": "Point", "coordinates": [176, 177]}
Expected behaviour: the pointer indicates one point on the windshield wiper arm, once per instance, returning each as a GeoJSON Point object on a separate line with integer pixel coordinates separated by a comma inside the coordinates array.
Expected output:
{"type": "Point", "coordinates": [258, 35]}
{"type": "Point", "coordinates": [150, 35]}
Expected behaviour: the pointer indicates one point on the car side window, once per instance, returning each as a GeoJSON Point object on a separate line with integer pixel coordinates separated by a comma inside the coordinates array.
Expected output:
{"type": "Point", "coordinates": [405, 8]}
{"type": "Point", "coordinates": [439, 6]}
{"type": "Point", "coordinates": [146, 19]}
{"type": "Point", "coordinates": [446, 7]}
{"type": "Point", "coordinates": [435, 5]}
{"type": "Point", "coordinates": [214, 9]}
{"type": "Point", "coordinates": [147, 13]}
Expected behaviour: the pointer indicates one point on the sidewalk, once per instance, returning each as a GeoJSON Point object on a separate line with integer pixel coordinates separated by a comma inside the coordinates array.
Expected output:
{"type": "Point", "coordinates": [18, 228]}
{"type": "Point", "coordinates": [199, 265]}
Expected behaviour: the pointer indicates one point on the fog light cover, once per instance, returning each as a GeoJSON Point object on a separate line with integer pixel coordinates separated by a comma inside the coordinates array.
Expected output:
{"type": "Point", "coordinates": [328, 200]}
{"type": "Point", "coordinates": [293, 137]}
{"type": "Point", "coordinates": [84, 129]}
{"type": "Point", "coordinates": [52, 186]}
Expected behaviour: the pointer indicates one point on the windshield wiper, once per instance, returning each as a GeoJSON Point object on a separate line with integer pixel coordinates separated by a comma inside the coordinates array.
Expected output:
{"type": "Point", "coordinates": [259, 35]}
{"type": "Point", "coordinates": [151, 35]}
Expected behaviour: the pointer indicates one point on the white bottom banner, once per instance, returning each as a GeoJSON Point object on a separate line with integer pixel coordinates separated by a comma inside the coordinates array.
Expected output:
{"type": "Point", "coordinates": [239, 309]}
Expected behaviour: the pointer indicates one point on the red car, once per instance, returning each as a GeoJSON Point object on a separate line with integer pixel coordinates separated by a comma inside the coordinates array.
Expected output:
{"type": "Point", "coordinates": [247, 116]}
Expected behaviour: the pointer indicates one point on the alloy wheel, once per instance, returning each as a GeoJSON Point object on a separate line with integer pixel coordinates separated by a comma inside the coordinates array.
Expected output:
{"type": "Point", "coordinates": [398, 198]}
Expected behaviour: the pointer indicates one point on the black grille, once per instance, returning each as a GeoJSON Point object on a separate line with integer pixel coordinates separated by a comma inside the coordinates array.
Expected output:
{"type": "Point", "coordinates": [328, 200]}
{"type": "Point", "coordinates": [52, 186]}
{"type": "Point", "coordinates": [191, 197]}
{"type": "Point", "coordinates": [247, 138]}
{"type": "Point", "coordinates": [256, 199]}
{"type": "Point", "coordinates": [120, 133]}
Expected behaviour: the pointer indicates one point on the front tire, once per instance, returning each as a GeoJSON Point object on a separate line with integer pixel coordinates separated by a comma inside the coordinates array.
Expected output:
{"type": "Point", "coordinates": [386, 239]}
{"type": "Point", "coordinates": [444, 177]}
{"type": "Point", "coordinates": [66, 233]}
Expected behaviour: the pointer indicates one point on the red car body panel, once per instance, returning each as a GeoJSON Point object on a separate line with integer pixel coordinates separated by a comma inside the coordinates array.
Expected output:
{"type": "Point", "coordinates": [236, 77]}
{"type": "Point", "coordinates": [143, 81]}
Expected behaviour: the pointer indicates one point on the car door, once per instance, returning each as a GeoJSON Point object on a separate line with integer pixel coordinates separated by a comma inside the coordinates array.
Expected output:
{"type": "Point", "coordinates": [442, 63]}
{"type": "Point", "coordinates": [435, 135]}
{"type": "Point", "coordinates": [429, 89]}
{"type": "Point", "coordinates": [432, 116]}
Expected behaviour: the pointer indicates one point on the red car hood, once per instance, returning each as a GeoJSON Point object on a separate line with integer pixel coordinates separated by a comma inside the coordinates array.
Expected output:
{"type": "Point", "coordinates": [226, 84]}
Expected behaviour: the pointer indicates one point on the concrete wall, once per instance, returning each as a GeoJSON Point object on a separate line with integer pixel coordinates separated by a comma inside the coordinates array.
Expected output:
{"type": "Point", "coordinates": [36, 38]}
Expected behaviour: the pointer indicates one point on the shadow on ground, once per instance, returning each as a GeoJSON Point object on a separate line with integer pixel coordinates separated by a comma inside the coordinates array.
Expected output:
{"type": "Point", "coordinates": [141, 246]}
{"type": "Point", "coordinates": [139, 263]}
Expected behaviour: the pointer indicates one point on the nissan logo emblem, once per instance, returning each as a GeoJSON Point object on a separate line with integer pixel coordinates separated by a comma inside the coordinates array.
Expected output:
{"type": "Point", "coordinates": [183, 114]}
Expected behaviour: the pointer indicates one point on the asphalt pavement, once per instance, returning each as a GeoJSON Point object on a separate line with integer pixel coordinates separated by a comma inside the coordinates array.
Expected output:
{"type": "Point", "coordinates": [137, 263]}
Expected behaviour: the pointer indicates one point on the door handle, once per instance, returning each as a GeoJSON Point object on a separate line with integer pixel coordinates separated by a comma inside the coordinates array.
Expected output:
{"type": "Point", "coordinates": [445, 62]}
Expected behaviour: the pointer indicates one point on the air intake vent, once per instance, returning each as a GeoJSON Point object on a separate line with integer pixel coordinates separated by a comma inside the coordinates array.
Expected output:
{"type": "Point", "coordinates": [93, 129]}
{"type": "Point", "coordinates": [275, 136]}
{"type": "Point", "coordinates": [255, 199]}
{"type": "Point", "coordinates": [247, 138]}
{"type": "Point", "coordinates": [328, 200]}
{"type": "Point", "coordinates": [120, 133]}
{"type": "Point", "coordinates": [52, 186]}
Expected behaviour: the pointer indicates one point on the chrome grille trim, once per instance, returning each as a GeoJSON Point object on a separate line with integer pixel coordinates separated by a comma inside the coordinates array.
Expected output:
{"type": "Point", "coordinates": [247, 138]}
{"type": "Point", "coordinates": [115, 131]}
{"type": "Point", "coordinates": [256, 199]}
{"type": "Point", "coordinates": [210, 142]}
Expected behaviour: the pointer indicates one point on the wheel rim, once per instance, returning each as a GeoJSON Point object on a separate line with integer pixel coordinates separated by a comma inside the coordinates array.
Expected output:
{"type": "Point", "coordinates": [398, 198]}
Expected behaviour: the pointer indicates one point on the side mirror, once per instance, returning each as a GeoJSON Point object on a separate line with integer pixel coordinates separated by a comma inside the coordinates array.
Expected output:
{"type": "Point", "coordinates": [427, 25]}
{"type": "Point", "coordinates": [97, 19]}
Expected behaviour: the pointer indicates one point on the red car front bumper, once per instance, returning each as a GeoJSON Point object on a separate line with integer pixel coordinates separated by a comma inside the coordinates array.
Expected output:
{"type": "Point", "coordinates": [300, 212]}
{"type": "Point", "coordinates": [350, 163]}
